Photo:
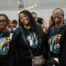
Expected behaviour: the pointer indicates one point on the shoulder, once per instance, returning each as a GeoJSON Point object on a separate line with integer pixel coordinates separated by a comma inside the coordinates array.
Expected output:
{"type": "Point", "coordinates": [51, 29]}
{"type": "Point", "coordinates": [39, 28]}
{"type": "Point", "coordinates": [64, 28]}
{"type": "Point", "coordinates": [17, 31]}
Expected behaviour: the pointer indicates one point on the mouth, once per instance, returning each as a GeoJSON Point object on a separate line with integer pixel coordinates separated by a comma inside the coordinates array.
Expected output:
{"type": "Point", "coordinates": [26, 21]}
{"type": "Point", "coordinates": [1, 24]}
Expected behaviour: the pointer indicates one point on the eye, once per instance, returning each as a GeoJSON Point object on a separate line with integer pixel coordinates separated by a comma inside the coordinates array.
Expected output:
{"type": "Point", "coordinates": [2, 20]}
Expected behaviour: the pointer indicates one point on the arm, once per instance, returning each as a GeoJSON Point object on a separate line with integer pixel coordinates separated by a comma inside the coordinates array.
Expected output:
{"type": "Point", "coordinates": [13, 48]}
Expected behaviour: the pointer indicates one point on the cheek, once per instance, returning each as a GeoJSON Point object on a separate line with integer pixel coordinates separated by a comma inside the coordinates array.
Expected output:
{"type": "Point", "coordinates": [57, 20]}
{"type": "Point", "coordinates": [5, 25]}
{"type": "Point", "coordinates": [2, 26]}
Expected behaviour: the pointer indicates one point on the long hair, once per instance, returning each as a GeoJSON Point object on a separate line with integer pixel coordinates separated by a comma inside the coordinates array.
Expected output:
{"type": "Point", "coordinates": [52, 19]}
{"type": "Point", "coordinates": [32, 21]}
{"type": "Point", "coordinates": [51, 22]}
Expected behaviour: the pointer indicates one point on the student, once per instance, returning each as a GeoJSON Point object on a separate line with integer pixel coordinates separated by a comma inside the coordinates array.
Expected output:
{"type": "Point", "coordinates": [5, 38]}
{"type": "Point", "coordinates": [14, 24]}
{"type": "Point", "coordinates": [27, 41]}
{"type": "Point", "coordinates": [55, 34]}
{"type": "Point", "coordinates": [39, 20]}
{"type": "Point", "coordinates": [62, 60]}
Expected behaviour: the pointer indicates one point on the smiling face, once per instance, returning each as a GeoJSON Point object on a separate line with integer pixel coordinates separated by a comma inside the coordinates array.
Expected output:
{"type": "Point", "coordinates": [3, 23]}
{"type": "Point", "coordinates": [24, 19]}
{"type": "Point", "coordinates": [58, 16]}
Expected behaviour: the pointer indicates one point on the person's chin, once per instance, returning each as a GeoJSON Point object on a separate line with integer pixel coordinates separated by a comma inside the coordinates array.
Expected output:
{"type": "Point", "coordinates": [1, 27]}
{"type": "Point", "coordinates": [57, 22]}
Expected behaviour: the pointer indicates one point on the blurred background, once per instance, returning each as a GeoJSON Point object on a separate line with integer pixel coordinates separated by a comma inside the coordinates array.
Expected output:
{"type": "Point", "coordinates": [43, 8]}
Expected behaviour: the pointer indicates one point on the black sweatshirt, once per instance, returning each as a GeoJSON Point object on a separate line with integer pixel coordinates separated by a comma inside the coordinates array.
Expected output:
{"type": "Point", "coordinates": [4, 47]}
{"type": "Point", "coordinates": [19, 51]}
{"type": "Point", "coordinates": [62, 58]}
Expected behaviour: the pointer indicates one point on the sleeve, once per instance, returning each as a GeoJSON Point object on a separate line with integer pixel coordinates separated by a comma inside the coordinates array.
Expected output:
{"type": "Point", "coordinates": [13, 49]}
{"type": "Point", "coordinates": [45, 46]}
{"type": "Point", "coordinates": [44, 43]}
{"type": "Point", "coordinates": [62, 58]}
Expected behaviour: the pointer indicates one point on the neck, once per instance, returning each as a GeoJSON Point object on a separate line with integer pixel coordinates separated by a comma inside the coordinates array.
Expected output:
{"type": "Point", "coordinates": [58, 25]}
{"type": "Point", "coordinates": [27, 26]}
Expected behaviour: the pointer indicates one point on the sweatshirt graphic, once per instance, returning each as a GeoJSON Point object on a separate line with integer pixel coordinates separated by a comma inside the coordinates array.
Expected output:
{"type": "Point", "coordinates": [4, 45]}
{"type": "Point", "coordinates": [54, 43]}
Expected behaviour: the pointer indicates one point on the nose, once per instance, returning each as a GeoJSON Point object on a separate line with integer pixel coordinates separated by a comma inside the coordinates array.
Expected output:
{"type": "Point", "coordinates": [24, 18]}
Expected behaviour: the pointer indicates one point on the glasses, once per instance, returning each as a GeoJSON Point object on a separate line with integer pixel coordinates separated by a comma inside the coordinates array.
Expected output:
{"type": "Point", "coordinates": [2, 20]}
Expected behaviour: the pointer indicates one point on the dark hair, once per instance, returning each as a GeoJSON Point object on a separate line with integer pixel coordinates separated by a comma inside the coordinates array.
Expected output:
{"type": "Point", "coordinates": [14, 21]}
{"type": "Point", "coordinates": [39, 20]}
{"type": "Point", "coordinates": [34, 13]}
{"type": "Point", "coordinates": [6, 17]}
{"type": "Point", "coordinates": [32, 21]}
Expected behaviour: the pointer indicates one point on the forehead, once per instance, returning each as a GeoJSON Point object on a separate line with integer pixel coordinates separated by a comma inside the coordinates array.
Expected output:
{"type": "Point", "coordinates": [2, 18]}
{"type": "Point", "coordinates": [22, 14]}
{"type": "Point", "coordinates": [58, 12]}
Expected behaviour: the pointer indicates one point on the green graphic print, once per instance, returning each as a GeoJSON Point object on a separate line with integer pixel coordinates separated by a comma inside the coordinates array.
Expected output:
{"type": "Point", "coordinates": [54, 43]}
